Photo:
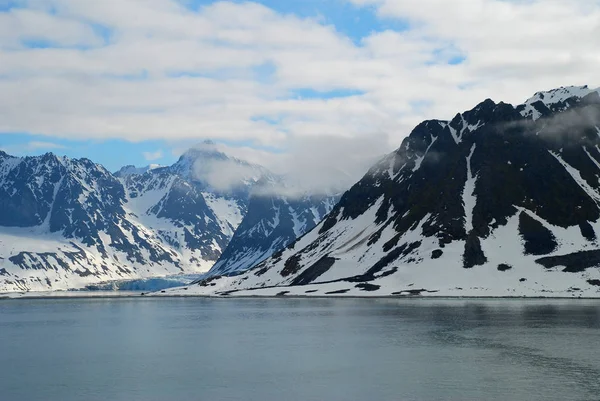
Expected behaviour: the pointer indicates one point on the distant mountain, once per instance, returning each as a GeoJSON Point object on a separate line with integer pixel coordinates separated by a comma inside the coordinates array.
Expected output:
{"type": "Point", "coordinates": [133, 170]}
{"type": "Point", "coordinates": [499, 201]}
{"type": "Point", "coordinates": [69, 223]}
{"type": "Point", "coordinates": [275, 219]}
{"type": "Point", "coordinates": [196, 204]}
{"type": "Point", "coordinates": [64, 223]}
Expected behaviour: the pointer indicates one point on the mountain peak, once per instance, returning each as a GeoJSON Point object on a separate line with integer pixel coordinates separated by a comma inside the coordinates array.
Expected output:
{"type": "Point", "coordinates": [130, 170]}
{"type": "Point", "coordinates": [559, 99]}
{"type": "Point", "coordinates": [207, 164]}
{"type": "Point", "coordinates": [203, 150]}
{"type": "Point", "coordinates": [559, 94]}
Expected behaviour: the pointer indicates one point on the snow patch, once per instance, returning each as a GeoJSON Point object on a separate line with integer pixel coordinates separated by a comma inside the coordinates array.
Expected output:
{"type": "Point", "coordinates": [420, 159]}
{"type": "Point", "coordinates": [576, 175]}
{"type": "Point", "coordinates": [469, 197]}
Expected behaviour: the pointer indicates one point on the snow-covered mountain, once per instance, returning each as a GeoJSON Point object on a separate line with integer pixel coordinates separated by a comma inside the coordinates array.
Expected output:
{"type": "Point", "coordinates": [64, 223]}
{"type": "Point", "coordinates": [276, 217]}
{"type": "Point", "coordinates": [68, 223]}
{"type": "Point", "coordinates": [196, 204]}
{"type": "Point", "coordinates": [499, 201]}
{"type": "Point", "coordinates": [133, 170]}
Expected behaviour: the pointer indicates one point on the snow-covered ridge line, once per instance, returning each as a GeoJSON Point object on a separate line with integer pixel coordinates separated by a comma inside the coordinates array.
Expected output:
{"type": "Point", "coordinates": [553, 97]}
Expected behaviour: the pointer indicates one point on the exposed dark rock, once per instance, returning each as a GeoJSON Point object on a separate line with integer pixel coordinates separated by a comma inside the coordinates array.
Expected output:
{"type": "Point", "coordinates": [292, 266]}
{"type": "Point", "coordinates": [587, 231]}
{"type": "Point", "coordinates": [313, 272]}
{"type": "Point", "coordinates": [368, 287]}
{"type": "Point", "coordinates": [473, 255]}
{"type": "Point", "coordinates": [337, 292]}
{"type": "Point", "coordinates": [573, 262]}
{"type": "Point", "coordinates": [594, 282]}
{"type": "Point", "coordinates": [205, 282]}
{"type": "Point", "coordinates": [398, 253]}
{"type": "Point", "coordinates": [329, 222]}
{"type": "Point", "coordinates": [259, 271]}
{"type": "Point", "coordinates": [538, 239]}
{"type": "Point", "coordinates": [504, 267]}
{"type": "Point", "coordinates": [436, 254]}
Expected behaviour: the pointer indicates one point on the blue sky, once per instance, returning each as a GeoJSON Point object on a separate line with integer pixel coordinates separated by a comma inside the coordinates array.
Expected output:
{"type": "Point", "coordinates": [112, 153]}
{"type": "Point", "coordinates": [123, 82]}
{"type": "Point", "coordinates": [354, 22]}
{"type": "Point", "coordinates": [351, 21]}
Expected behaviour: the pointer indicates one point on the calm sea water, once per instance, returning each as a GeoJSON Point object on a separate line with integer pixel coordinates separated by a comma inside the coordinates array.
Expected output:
{"type": "Point", "coordinates": [298, 349]}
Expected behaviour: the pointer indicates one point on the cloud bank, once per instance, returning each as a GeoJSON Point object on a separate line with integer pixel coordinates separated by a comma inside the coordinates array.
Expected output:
{"type": "Point", "coordinates": [245, 73]}
{"type": "Point", "coordinates": [155, 68]}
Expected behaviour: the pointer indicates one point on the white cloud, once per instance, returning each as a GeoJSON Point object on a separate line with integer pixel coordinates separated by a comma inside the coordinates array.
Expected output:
{"type": "Point", "coordinates": [151, 156]}
{"type": "Point", "coordinates": [32, 146]}
{"type": "Point", "coordinates": [35, 25]}
{"type": "Point", "coordinates": [221, 172]}
{"type": "Point", "coordinates": [35, 145]}
{"type": "Point", "coordinates": [229, 70]}
{"type": "Point", "coordinates": [325, 164]}
{"type": "Point", "coordinates": [328, 163]}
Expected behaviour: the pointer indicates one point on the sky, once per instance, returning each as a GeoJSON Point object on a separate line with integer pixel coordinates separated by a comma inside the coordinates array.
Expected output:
{"type": "Point", "coordinates": [311, 83]}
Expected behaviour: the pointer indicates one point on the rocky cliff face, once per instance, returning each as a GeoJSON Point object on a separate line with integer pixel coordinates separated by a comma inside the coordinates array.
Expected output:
{"type": "Point", "coordinates": [499, 201]}
{"type": "Point", "coordinates": [274, 220]}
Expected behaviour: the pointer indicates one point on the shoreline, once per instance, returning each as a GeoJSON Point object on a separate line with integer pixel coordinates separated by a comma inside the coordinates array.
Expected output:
{"type": "Point", "coordinates": [128, 295]}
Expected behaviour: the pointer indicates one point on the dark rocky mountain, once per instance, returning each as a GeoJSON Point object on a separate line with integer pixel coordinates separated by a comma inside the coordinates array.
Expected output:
{"type": "Point", "coordinates": [499, 201]}
{"type": "Point", "coordinates": [275, 219]}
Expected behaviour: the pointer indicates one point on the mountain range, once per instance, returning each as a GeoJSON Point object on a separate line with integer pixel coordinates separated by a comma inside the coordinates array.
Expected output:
{"type": "Point", "coordinates": [70, 223]}
{"type": "Point", "coordinates": [501, 200]}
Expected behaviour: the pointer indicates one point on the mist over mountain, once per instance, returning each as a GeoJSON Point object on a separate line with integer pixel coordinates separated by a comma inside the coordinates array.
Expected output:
{"type": "Point", "coordinates": [278, 214]}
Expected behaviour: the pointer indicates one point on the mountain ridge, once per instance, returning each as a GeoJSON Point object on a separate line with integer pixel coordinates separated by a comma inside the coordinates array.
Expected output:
{"type": "Point", "coordinates": [72, 224]}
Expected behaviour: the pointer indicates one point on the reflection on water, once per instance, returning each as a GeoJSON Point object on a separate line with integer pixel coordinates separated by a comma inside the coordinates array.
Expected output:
{"type": "Point", "coordinates": [299, 349]}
